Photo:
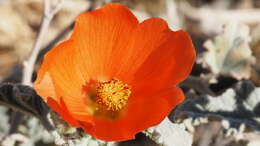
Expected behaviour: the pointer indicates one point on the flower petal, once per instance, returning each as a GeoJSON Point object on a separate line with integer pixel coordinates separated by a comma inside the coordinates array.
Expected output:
{"type": "Point", "coordinates": [110, 130]}
{"type": "Point", "coordinates": [59, 76]}
{"type": "Point", "coordinates": [44, 86]}
{"type": "Point", "coordinates": [62, 111]}
{"type": "Point", "coordinates": [146, 38]}
{"type": "Point", "coordinates": [152, 110]}
{"type": "Point", "coordinates": [101, 37]}
{"type": "Point", "coordinates": [167, 65]}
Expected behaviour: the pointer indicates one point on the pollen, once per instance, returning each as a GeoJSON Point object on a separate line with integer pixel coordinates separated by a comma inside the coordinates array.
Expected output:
{"type": "Point", "coordinates": [112, 95]}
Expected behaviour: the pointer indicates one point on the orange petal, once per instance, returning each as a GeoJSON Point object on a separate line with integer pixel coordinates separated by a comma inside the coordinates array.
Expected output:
{"type": "Point", "coordinates": [44, 86]}
{"type": "Point", "coordinates": [167, 65]}
{"type": "Point", "coordinates": [58, 74]}
{"type": "Point", "coordinates": [143, 113]}
{"type": "Point", "coordinates": [109, 130]}
{"type": "Point", "coordinates": [101, 37]}
{"type": "Point", "coordinates": [62, 111]}
{"type": "Point", "coordinates": [146, 37]}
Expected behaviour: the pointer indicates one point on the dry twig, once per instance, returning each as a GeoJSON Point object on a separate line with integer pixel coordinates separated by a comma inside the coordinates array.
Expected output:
{"type": "Point", "coordinates": [48, 13]}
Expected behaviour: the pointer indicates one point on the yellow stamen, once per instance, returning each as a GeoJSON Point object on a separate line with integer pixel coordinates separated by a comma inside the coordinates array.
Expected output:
{"type": "Point", "coordinates": [112, 95]}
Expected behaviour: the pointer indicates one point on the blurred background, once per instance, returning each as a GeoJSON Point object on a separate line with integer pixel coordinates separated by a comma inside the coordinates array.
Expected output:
{"type": "Point", "coordinates": [226, 35]}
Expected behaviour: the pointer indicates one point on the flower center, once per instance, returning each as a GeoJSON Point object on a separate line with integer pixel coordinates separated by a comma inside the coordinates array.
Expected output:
{"type": "Point", "coordinates": [112, 95]}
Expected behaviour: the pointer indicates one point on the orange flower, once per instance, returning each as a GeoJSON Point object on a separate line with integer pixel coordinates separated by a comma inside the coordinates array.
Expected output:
{"type": "Point", "coordinates": [115, 76]}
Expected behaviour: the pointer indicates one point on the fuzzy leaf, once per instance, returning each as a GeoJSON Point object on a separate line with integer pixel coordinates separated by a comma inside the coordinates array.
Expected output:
{"type": "Point", "coordinates": [24, 99]}
{"type": "Point", "coordinates": [229, 53]}
{"type": "Point", "coordinates": [4, 120]}
{"type": "Point", "coordinates": [168, 134]}
{"type": "Point", "coordinates": [237, 108]}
